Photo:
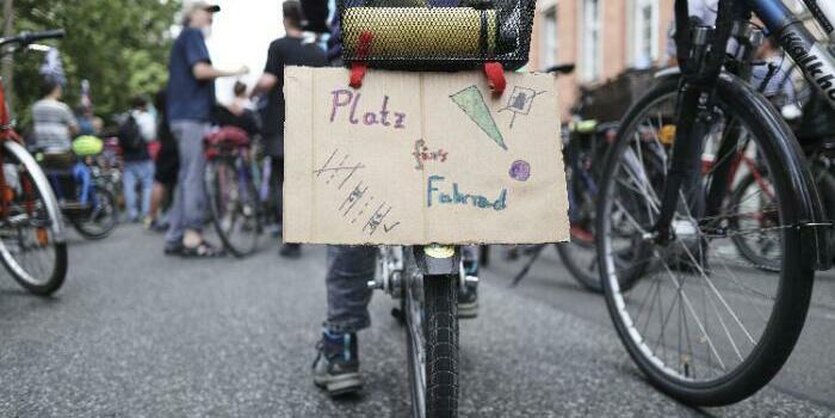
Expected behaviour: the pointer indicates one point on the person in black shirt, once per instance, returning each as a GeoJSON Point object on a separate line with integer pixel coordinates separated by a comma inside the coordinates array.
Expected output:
{"type": "Point", "coordinates": [292, 49]}
{"type": "Point", "coordinates": [166, 164]}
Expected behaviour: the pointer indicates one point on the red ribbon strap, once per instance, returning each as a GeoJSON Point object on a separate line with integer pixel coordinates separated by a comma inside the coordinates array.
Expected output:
{"type": "Point", "coordinates": [359, 67]}
{"type": "Point", "coordinates": [495, 76]}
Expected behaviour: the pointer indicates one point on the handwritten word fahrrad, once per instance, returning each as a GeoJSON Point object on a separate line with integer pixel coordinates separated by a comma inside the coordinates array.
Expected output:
{"type": "Point", "coordinates": [344, 98]}
{"type": "Point", "coordinates": [433, 194]}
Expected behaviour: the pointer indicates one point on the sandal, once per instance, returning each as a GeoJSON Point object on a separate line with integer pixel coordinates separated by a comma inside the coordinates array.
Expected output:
{"type": "Point", "coordinates": [203, 250]}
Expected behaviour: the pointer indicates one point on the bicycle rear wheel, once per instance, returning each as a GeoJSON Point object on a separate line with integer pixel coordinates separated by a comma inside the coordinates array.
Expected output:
{"type": "Point", "coordinates": [236, 210]}
{"type": "Point", "coordinates": [705, 325]}
{"type": "Point", "coordinates": [102, 218]}
{"type": "Point", "coordinates": [580, 259]}
{"type": "Point", "coordinates": [431, 308]}
{"type": "Point", "coordinates": [32, 246]}
{"type": "Point", "coordinates": [754, 197]}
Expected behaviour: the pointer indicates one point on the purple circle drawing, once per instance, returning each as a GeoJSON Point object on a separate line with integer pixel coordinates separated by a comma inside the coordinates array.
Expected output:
{"type": "Point", "coordinates": [520, 170]}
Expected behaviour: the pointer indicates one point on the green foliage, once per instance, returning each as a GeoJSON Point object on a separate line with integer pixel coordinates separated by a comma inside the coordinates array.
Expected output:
{"type": "Point", "coordinates": [120, 46]}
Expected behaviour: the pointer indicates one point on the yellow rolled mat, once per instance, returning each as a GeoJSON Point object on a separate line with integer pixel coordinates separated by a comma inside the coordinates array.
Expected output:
{"type": "Point", "coordinates": [403, 32]}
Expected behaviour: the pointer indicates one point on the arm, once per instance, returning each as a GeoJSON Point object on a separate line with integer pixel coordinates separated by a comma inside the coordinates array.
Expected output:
{"type": "Point", "coordinates": [273, 70]}
{"type": "Point", "coordinates": [197, 56]}
{"type": "Point", "coordinates": [265, 84]}
{"type": "Point", "coordinates": [69, 119]}
{"type": "Point", "coordinates": [204, 71]}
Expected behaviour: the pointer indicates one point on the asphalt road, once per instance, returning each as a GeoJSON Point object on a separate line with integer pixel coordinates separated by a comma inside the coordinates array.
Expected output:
{"type": "Point", "coordinates": [133, 333]}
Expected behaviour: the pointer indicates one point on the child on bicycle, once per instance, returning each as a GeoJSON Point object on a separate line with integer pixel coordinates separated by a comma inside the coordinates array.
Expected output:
{"type": "Point", "coordinates": [54, 127]}
{"type": "Point", "coordinates": [349, 269]}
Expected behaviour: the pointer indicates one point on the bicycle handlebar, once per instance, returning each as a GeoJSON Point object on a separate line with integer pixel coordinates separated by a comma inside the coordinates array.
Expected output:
{"type": "Point", "coordinates": [27, 38]}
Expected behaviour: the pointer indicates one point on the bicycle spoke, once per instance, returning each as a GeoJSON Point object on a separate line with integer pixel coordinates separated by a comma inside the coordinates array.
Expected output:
{"type": "Point", "coordinates": [699, 323]}
{"type": "Point", "coordinates": [701, 271]}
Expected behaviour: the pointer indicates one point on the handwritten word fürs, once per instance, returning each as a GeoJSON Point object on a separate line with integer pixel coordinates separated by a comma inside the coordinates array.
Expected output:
{"type": "Point", "coordinates": [433, 194]}
{"type": "Point", "coordinates": [422, 154]}
{"type": "Point", "coordinates": [350, 100]}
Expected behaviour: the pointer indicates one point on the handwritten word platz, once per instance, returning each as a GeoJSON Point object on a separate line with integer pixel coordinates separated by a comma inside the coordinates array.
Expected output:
{"type": "Point", "coordinates": [345, 103]}
{"type": "Point", "coordinates": [434, 194]}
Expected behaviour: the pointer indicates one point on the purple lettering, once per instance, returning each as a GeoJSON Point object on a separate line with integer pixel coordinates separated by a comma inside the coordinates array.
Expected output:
{"type": "Point", "coordinates": [337, 103]}
{"type": "Point", "coordinates": [353, 118]}
{"type": "Point", "coordinates": [399, 120]}
{"type": "Point", "coordinates": [384, 113]}
{"type": "Point", "coordinates": [370, 119]}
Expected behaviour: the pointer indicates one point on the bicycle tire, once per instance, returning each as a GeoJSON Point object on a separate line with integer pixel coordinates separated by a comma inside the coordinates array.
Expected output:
{"type": "Point", "coordinates": [796, 199]}
{"type": "Point", "coordinates": [582, 276]}
{"type": "Point", "coordinates": [215, 195]}
{"type": "Point", "coordinates": [108, 200]}
{"type": "Point", "coordinates": [439, 369]}
{"type": "Point", "coordinates": [36, 193]}
{"type": "Point", "coordinates": [588, 281]}
{"type": "Point", "coordinates": [743, 245]}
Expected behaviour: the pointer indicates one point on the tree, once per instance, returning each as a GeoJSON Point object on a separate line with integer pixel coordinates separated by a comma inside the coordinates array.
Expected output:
{"type": "Point", "coordinates": [120, 46]}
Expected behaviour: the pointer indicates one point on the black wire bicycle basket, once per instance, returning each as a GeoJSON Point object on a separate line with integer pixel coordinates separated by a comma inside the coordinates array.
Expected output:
{"type": "Point", "coordinates": [441, 35]}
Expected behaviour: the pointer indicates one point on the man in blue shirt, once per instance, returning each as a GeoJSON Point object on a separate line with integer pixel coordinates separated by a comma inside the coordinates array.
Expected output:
{"type": "Point", "coordinates": [191, 96]}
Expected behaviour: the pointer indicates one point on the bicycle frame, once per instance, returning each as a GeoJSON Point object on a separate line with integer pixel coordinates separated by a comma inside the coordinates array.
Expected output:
{"type": "Point", "coordinates": [11, 142]}
{"type": "Point", "coordinates": [702, 56]}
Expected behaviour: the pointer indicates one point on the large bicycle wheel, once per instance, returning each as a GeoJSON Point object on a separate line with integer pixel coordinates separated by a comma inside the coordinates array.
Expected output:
{"type": "Point", "coordinates": [705, 325]}
{"type": "Point", "coordinates": [101, 218]}
{"type": "Point", "coordinates": [32, 246]}
{"type": "Point", "coordinates": [236, 209]}
{"type": "Point", "coordinates": [431, 307]}
{"type": "Point", "coordinates": [578, 255]}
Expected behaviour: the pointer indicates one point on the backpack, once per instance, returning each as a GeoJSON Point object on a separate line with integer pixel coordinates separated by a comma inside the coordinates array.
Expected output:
{"type": "Point", "coordinates": [130, 136]}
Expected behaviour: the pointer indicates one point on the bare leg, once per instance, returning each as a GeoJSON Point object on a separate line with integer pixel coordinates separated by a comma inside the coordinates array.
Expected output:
{"type": "Point", "coordinates": [157, 197]}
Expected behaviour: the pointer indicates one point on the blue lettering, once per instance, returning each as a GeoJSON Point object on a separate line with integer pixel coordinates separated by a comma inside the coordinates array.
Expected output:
{"type": "Point", "coordinates": [459, 198]}
{"type": "Point", "coordinates": [501, 203]}
{"type": "Point", "coordinates": [432, 189]}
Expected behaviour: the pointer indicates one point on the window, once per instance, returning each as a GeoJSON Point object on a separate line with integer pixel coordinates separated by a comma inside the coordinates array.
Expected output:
{"type": "Point", "coordinates": [645, 33]}
{"type": "Point", "coordinates": [591, 35]}
{"type": "Point", "coordinates": [548, 37]}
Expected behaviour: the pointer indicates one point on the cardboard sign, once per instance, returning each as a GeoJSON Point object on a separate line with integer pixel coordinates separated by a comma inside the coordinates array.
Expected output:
{"type": "Point", "coordinates": [420, 158]}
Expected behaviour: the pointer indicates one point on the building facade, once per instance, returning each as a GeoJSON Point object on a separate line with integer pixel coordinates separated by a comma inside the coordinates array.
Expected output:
{"type": "Point", "coordinates": [602, 38]}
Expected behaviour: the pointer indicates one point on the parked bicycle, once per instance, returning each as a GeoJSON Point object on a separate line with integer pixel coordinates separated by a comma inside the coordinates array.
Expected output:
{"type": "Point", "coordinates": [704, 324]}
{"type": "Point", "coordinates": [32, 239]}
{"type": "Point", "coordinates": [814, 128]}
{"type": "Point", "coordinates": [585, 142]}
{"type": "Point", "coordinates": [83, 196]}
{"type": "Point", "coordinates": [232, 178]}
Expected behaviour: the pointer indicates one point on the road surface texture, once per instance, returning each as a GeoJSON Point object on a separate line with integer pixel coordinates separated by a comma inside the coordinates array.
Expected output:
{"type": "Point", "coordinates": [133, 333]}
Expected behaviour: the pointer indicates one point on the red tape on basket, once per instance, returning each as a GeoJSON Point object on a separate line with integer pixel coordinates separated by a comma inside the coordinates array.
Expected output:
{"type": "Point", "coordinates": [360, 67]}
{"type": "Point", "coordinates": [495, 76]}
